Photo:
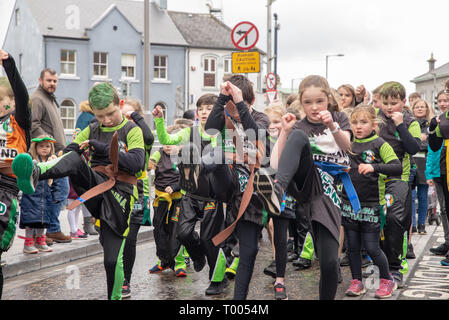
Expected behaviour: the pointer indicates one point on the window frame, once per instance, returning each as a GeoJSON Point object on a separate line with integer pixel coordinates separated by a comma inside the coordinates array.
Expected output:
{"type": "Point", "coordinates": [128, 66]}
{"type": "Point", "coordinates": [68, 62]}
{"type": "Point", "coordinates": [65, 119]}
{"type": "Point", "coordinates": [208, 72]}
{"type": "Point", "coordinates": [100, 64]}
{"type": "Point", "coordinates": [159, 67]}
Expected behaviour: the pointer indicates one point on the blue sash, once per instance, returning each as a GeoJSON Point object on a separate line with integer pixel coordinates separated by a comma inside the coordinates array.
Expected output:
{"type": "Point", "coordinates": [338, 171]}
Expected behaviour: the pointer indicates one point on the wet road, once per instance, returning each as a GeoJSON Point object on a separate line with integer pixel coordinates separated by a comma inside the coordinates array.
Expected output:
{"type": "Point", "coordinates": [85, 279]}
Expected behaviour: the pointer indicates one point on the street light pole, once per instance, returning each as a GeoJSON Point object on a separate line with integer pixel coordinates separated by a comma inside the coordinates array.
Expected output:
{"type": "Point", "coordinates": [327, 58]}
{"type": "Point", "coordinates": [269, 2]}
{"type": "Point", "coordinates": [276, 28]}
{"type": "Point", "coordinates": [146, 71]}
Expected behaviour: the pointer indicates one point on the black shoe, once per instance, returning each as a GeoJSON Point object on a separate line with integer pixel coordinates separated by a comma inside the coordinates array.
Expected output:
{"type": "Point", "coordinates": [270, 192]}
{"type": "Point", "coordinates": [410, 254]}
{"type": "Point", "coordinates": [199, 264]}
{"type": "Point", "coordinates": [398, 278]}
{"type": "Point", "coordinates": [441, 250]}
{"type": "Point", "coordinates": [414, 230]}
{"type": "Point", "coordinates": [271, 269]}
{"type": "Point", "coordinates": [302, 263]}
{"type": "Point", "coordinates": [344, 262]}
{"type": "Point", "coordinates": [366, 262]}
{"type": "Point", "coordinates": [189, 169]}
{"type": "Point", "coordinates": [422, 229]}
{"type": "Point", "coordinates": [217, 287]}
{"type": "Point", "coordinates": [280, 293]}
{"type": "Point", "coordinates": [292, 256]}
{"type": "Point", "coordinates": [126, 290]}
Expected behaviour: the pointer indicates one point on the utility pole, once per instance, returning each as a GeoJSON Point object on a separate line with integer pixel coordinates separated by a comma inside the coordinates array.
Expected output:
{"type": "Point", "coordinates": [146, 82]}
{"type": "Point", "coordinates": [269, 2]}
{"type": "Point", "coordinates": [276, 28]}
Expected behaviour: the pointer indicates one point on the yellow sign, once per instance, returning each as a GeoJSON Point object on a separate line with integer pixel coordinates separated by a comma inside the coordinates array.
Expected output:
{"type": "Point", "coordinates": [246, 62]}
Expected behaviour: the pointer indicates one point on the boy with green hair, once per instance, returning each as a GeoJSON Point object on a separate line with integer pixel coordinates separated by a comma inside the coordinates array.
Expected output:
{"type": "Point", "coordinates": [400, 129]}
{"type": "Point", "coordinates": [107, 186]}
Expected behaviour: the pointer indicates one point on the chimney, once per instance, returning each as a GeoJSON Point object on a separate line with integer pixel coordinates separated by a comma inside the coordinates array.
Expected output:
{"type": "Point", "coordinates": [431, 62]}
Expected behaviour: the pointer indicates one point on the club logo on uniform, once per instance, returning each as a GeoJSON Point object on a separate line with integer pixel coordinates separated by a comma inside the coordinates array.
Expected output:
{"type": "Point", "coordinates": [175, 217]}
{"type": "Point", "coordinates": [210, 206]}
{"type": "Point", "coordinates": [3, 208]}
{"type": "Point", "coordinates": [368, 156]}
{"type": "Point", "coordinates": [389, 199]}
{"type": "Point", "coordinates": [7, 126]}
{"type": "Point", "coordinates": [122, 147]}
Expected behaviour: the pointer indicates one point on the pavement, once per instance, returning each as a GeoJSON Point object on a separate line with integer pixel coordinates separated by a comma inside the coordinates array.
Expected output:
{"type": "Point", "coordinates": [18, 263]}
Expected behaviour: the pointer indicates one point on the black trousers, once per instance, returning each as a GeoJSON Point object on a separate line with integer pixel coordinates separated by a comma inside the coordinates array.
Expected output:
{"type": "Point", "coordinates": [166, 225]}
{"type": "Point", "coordinates": [397, 223]}
{"type": "Point", "coordinates": [212, 221]}
{"type": "Point", "coordinates": [129, 254]}
{"type": "Point", "coordinates": [370, 240]}
{"type": "Point", "coordinates": [112, 207]}
{"type": "Point", "coordinates": [113, 247]}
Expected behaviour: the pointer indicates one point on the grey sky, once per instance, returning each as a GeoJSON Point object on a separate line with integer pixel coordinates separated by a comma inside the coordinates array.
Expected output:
{"type": "Point", "coordinates": [382, 40]}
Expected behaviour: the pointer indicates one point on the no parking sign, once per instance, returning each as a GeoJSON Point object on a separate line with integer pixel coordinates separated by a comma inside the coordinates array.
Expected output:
{"type": "Point", "coordinates": [245, 35]}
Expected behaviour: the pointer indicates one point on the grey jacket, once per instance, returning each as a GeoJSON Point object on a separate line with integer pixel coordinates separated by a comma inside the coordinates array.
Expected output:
{"type": "Point", "coordinates": [46, 118]}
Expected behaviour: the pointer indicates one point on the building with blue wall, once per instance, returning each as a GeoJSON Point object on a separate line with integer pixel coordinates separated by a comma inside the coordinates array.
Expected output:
{"type": "Point", "coordinates": [95, 41]}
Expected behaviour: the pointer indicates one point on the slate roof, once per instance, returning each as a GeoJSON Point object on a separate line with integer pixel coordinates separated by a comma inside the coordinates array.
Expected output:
{"type": "Point", "coordinates": [51, 15]}
{"type": "Point", "coordinates": [204, 30]}
{"type": "Point", "coordinates": [441, 71]}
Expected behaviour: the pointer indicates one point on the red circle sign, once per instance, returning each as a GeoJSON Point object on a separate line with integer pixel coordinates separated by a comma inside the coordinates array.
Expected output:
{"type": "Point", "coordinates": [271, 80]}
{"type": "Point", "coordinates": [245, 35]}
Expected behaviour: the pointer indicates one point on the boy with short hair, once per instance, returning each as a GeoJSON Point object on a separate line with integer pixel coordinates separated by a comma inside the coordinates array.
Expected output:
{"type": "Point", "coordinates": [199, 202]}
{"type": "Point", "coordinates": [400, 129]}
{"type": "Point", "coordinates": [108, 184]}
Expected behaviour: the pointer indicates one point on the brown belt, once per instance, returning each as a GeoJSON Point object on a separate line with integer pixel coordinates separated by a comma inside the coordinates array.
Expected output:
{"type": "Point", "coordinates": [111, 171]}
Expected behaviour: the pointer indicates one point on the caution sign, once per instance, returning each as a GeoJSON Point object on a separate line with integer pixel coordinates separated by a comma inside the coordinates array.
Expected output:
{"type": "Point", "coordinates": [246, 62]}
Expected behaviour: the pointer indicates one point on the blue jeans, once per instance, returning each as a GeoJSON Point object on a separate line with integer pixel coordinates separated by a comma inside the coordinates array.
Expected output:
{"type": "Point", "coordinates": [54, 211]}
{"type": "Point", "coordinates": [422, 204]}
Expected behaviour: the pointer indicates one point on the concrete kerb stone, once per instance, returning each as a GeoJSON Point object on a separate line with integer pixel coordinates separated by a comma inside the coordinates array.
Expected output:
{"type": "Point", "coordinates": [62, 253]}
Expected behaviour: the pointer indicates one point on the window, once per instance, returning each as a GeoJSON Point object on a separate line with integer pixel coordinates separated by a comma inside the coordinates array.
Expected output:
{"type": "Point", "coordinates": [68, 114]}
{"type": "Point", "coordinates": [160, 67]}
{"type": "Point", "coordinates": [101, 64]}
{"type": "Point", "coordinates": [129, 66]}
{"type": "Point", "coordinates": [17, 15]}
{"type": "Point", "coordinates": [209, 72]}
{"type": "Point", "coordinates": [68, 62]}
{"type": "Point", "coordinates": [227, 66]}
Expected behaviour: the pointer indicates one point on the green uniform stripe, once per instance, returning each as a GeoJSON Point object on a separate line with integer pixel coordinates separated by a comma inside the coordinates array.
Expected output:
{"type": "Point", "coordinates": [220, 267]}
{"type": "Point", "coordinates": [45, 166]}
{"type": "Point", "coordinates": [307, 248]}
{"type": "Point", "coordinates": [119, 275]}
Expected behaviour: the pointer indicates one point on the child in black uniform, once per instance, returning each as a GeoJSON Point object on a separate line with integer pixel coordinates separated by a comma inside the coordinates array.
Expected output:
{"type": "Point", "coordinates": [372, 161]}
